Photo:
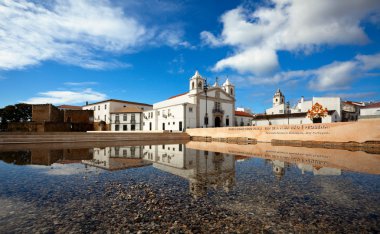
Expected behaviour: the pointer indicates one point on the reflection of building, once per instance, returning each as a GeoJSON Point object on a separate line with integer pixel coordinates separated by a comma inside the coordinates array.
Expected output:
{"type": "Point", "coordinates": [46, 156]}
{"type": "Point", "coordinates": [279, 168]}
{"type": "Point", "coordinates": [203, 169]}
{"type": "Point", "coordinates": [117, 158]}
{"type": "Point", "coordinates": [319, 170]}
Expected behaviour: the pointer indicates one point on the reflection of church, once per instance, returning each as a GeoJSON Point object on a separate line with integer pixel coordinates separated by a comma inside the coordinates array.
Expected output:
{"type": "Point", "coordinates": [279, 168]}
{"type": "Point", "coordinates": [204, 170]}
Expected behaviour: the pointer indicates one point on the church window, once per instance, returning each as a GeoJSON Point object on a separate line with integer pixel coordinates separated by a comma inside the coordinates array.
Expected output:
{"type": "Point", "coordinates": [192, 85]}
{"type": "Point", "coordinates": [124, 117]}
{"type": "Point", "coordinates": [276, 99]}
{"type": "Point", "coordinates": [190, 109]}
{"type": "Point", "coordinates": [200, 84]}
{"type": "Point", "coordinates": [232, 91]}
{"type": "Point", "coordinates": [105, 107]}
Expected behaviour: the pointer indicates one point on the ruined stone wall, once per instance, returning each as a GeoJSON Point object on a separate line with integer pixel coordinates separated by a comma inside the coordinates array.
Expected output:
{"type": "Point", "coordinates": [79, 116]}
{"type": "Point", "coordinates": [46, 113]}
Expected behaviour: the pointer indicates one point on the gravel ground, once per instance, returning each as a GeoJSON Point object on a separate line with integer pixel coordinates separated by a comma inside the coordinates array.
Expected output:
{"type": "Point", "coordinates": [75, 199]}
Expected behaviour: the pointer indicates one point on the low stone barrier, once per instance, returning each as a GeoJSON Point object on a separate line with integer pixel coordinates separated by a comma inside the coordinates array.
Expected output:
{"type": "Point", "coordinates": [360, 132]}
{"type": "Point", "coordinates": [55, 137]}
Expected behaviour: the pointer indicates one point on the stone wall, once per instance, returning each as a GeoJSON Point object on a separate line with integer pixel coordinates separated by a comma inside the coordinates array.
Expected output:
{"type": "Point", "coordinates": [78, 116]}
{"type": "Point", "coordinates": [361, 131]}
{"type": "Point", "coordinates": [46, 112]}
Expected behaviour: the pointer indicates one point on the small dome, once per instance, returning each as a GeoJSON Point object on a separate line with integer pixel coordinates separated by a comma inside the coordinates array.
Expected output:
{"type": "Point", "coordinates": [227, 82]}
{"type": "Point", "coordinates": [196, 74]}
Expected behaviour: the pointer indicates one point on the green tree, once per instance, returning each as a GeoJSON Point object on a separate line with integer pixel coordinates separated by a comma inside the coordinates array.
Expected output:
{"type": "Point", "coordinates": [15, 113]}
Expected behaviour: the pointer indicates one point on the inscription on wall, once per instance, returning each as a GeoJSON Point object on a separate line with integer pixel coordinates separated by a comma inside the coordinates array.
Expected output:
{"type": "Point", "coordinates": [288, 129]}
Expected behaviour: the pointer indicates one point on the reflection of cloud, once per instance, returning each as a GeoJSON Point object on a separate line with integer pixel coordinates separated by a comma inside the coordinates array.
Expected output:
{"type": "Point", "coordinates": [70, 169]}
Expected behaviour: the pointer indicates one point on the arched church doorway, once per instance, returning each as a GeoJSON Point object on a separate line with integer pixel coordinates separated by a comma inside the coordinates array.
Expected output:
{"type": "Point", "coordinates": [217, 122]}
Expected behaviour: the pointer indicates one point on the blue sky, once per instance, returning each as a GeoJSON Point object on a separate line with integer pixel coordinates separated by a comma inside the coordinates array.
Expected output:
{"type": "Point", "coordinates": [70, 51]}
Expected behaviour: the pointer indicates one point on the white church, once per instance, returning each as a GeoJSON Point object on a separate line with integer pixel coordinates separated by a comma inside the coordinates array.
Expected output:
{"type": "Point", "coordinates": [201, 107]}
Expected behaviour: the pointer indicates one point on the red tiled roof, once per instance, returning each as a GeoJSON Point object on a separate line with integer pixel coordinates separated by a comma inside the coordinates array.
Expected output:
{"type": "Point", "coordinates": [354, 103]}
{"type": "Point", "coordinates": [242, 113]}
{"type": "Point", "coordinates": [69, 107]}
{"type": "Point", "coordinates": [372, 105]}
{"type": "Point", "coordinates": [121, 101]}
{"type": "Point", "coordinates": [178, 95]}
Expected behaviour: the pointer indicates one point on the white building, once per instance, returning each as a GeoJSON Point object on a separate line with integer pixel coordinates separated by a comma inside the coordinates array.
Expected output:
{"type": "Point", "coordinates": [197, 108]}
{"type": "Point", "coordinates": [243, 118]}
{"type": "Point", "coordinates": [103, 109]}
{"type": "Point", "coordinates": [291, 118]}
{"type": "Point", "coordinates": [127, 118]}
{"type": "Point", "coordinates": [282, 113]}
{"type": "Point", "coordinates": [370, 111]}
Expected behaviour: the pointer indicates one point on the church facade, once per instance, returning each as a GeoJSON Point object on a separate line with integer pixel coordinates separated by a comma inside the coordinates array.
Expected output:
{"type": "Point", "coordinates": [201, 107]}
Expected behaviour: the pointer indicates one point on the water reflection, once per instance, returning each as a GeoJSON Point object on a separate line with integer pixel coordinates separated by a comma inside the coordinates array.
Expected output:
{"type": "Point", "coordinates": [46, 156]}
{"type": "Point", "coordinates": [203, 169]}
{"type": "Point", "coordinates": [206, 165]}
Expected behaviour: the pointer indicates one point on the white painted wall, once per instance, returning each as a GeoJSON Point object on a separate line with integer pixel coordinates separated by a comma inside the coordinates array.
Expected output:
{"type": "Point", "coordinates": [295, 120]}
{"type": "Point", "coordinates": [370, 111]}
{"type": "Point", "coordinates": [102, 110]}
{"type": "Point", "coordinates": [122, 122]}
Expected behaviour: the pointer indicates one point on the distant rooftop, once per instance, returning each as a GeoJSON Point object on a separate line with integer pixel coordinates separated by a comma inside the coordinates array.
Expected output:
{"type": "Point", "coordinates": [128, 109]}
{"type": "Point", "coordinates": [178, 95]}
{"type": "Point", "coordinates": [121, 101]}
{"type": "Point", "coordinates": [242, 113]}
{"type": "Point", "coordinates": [372, 105]}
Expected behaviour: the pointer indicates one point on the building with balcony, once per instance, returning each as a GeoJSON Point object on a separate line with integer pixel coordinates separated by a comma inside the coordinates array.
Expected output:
{"type": "Point", "coordinates": [102, 111]}
{"type": "Point", "coordinates": [126, 119]}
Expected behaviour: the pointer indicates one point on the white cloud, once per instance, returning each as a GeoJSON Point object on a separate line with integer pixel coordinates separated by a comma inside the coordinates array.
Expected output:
{"type": "Point", "coordinates": [360, 95]}
{"type": "Point", "coordinates": [337, 75]}
{"type": "Point", "coordinates": [253, 60]}
{"type": "Point", "coordinates": [289, 25]}
{"type": "Point", "coordinates": [71, 32]}
{"type": "Point", "coordinates": [80, 83]}
{"type": "Point", "coordinates": [67, 97]}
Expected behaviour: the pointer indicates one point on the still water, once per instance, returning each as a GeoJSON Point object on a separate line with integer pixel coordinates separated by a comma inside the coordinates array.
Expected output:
{"type": "Point", "coordinates": [188, 187]}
